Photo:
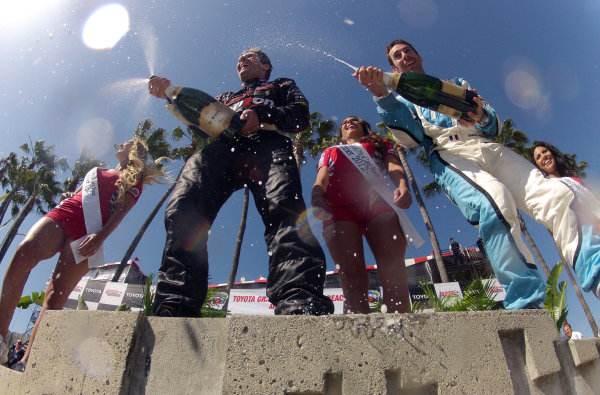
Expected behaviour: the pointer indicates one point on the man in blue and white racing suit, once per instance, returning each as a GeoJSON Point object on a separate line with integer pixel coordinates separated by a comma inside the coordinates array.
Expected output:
{"type": "Point", "coordinates": [489, 183]}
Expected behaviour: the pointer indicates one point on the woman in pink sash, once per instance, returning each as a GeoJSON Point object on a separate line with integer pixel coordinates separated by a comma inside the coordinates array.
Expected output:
{"type": "Point", "coordinates": [118, 190]}
{"type": "Point", "coordinates": [350, 208]}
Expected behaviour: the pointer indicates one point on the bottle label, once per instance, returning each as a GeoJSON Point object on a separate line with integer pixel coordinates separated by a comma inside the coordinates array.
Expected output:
{"type": "Point", "coordinates": [214, 118]}
{"type": "Point", "coordinates": [454, 90]}
{"type": "Point", "coordinates": [451, 112]}
{"type": "Point", "coordinates": [391, 80]}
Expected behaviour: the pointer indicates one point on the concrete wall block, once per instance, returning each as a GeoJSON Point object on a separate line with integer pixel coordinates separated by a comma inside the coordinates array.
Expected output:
{"type": "Point", "coordinates": [81, 352]}
{"type": "Point", "coordinates": [184, 355]}
{"type": "Point", "coordinates": [582, 379]}
{"type": "Point", "coordinates": [539, 333]}
{"type": "Point", "coordinates": [584, 351]}
{"type": "Point", "coordinates": [393, 353]}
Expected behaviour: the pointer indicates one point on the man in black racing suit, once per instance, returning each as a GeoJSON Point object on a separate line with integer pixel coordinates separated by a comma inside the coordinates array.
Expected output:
{"type": "Point", "coordinates": [261, 157]}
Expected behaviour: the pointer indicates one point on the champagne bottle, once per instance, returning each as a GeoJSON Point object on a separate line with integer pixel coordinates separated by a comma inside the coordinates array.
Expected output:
{"type": "Point", "coordinates": [203, 113]}
{"type": "Point", "coordinates": [433, 93]}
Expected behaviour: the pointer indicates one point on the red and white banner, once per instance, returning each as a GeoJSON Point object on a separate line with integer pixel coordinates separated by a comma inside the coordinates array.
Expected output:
{"type": "Point", "coordinates": [255, 301]}
{"type": "Point", "coordinates": [496, 287]}
{"type": "Point", "coordinates": [444, 290]}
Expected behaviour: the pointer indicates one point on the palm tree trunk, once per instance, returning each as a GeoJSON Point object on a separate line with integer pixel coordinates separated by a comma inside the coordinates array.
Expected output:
{"type": "Point", "coordinates": [5, 204]}
{"type": "Point", "coordinates": [10, 235]}
{"type": "Point", "coordinates": [297, 150]}
{"type": "Point", "coordinates": [584, 305]}
{"type": "Point", "coordinates": [536, 251]}
{"type": "Point", "coordinates": [238, 243]}
{"type": "Point", "coordinates": [435, 245]}
{"type": "Point", "coordinates": [538, 255]}
{"type": "Point", "coordinates": [140, 233]}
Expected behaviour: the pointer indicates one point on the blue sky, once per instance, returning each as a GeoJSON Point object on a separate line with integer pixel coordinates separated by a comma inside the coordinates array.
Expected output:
{"type": "Point", "coordinates": [536, 65]}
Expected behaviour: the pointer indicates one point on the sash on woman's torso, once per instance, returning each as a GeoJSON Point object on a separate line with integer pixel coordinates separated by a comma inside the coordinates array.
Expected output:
{"type": "Point", "coordinates": [90, 201]}
{"type": "Point", "coordinates": [361, 159]}
{"type": "Point", "coordinates": [585, 202]}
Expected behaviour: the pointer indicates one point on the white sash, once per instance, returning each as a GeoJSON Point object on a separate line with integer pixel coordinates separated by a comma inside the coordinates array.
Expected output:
{"type": "Point", "coordinates": [90, 200]}
{"type": "Point", "coordinates": [361, 159]}
{"type": "Point", "coordinates": [585, 201]}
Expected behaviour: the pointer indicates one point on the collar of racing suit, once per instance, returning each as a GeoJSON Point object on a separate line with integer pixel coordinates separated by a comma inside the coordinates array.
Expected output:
{"type": "Point", "coordinates": [252, 82]}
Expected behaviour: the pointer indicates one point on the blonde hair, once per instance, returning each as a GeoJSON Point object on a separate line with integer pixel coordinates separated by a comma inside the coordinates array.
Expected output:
{"type": "Point", "coordinates": [138, 169]}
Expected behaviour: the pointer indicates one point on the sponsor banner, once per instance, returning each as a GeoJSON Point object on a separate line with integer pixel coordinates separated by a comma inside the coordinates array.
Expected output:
{"type": "Point", "coordinates": [113, 294]}
{"type": "Point", "coordinates": [337, 297]}
{"type": "Point", "coordinates": [78, 290]}
{"type": "Point", "coordinates": [134, 295]}
{"type": "Point", "coordinates": [444, 290]}
{"type": "Point", "coordinates": [250, 301]}
{"type": "Point", "coordinates": [103, 295]}
{"type": "Point", "coordinates": [255, 301]}
{"type": "Point", "coordinates": [93, 291]}
{"type": "Point", "coordinates": [496, 287]}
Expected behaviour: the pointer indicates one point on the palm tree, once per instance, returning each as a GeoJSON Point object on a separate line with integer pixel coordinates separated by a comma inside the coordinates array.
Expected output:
{"type": "Point", "coordinates": [10, 176]}
{"type": "Point", "coordinates": [325, 137]}
{"type": "Point", "coordinates": [158, 146]}
{"type": "Point", "coordinates": [238, 242]}
{"type": "Point", "coordinates": [82, 166]}
{"type": "Point", "coordinates": [435, 245]}
{"type": "Point", "coordinates": [38, 184]}
{"type": "Point", "coordinates": [584, 305]}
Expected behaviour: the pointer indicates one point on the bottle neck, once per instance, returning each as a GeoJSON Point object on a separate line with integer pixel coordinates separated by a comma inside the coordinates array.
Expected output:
{"type": "Point", "coordinates": [171, 92]}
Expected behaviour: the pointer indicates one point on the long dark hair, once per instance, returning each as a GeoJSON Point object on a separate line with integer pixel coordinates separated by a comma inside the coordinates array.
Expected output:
{"type": "Point", "coordinates": [368, 135]}
{"type": "Point", "coordinates": [564, 167]}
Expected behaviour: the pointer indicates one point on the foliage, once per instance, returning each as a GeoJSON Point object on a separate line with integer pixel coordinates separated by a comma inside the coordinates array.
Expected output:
{"type": "Point", "coordinates": [81, 305]}
{"type": "Point", "coordinates": [478, 296]}
{"type": "Point", "coordinates": [207, 310]}
{"type": "Point", "coordinates": [123, 307]}
{"type": "Point", "coordinates": [319, 135]}
{"type": "Point", "coordinates": [82, 166]}
{"type": "Point", "coordinates": [556, 296]}
{"type": "Point", "coordinates": [35, 298]}
{"type": "Point", "coordinates": [513, 138]}
{"type": "Point", "coordinates": [148, 295]}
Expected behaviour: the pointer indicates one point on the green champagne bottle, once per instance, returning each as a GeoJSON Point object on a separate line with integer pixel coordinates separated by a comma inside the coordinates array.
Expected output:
{"type": "Point", "coordinates": [203, 113]}
{"type": "Point", "coordinates": [433, 93]}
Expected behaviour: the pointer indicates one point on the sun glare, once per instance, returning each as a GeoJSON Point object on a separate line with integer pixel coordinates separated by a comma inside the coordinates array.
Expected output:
{"type": "Point", "coordinates": [105, 27]}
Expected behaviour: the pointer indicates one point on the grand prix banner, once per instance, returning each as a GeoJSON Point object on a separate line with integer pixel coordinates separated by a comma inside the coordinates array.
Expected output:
{"type": "Point", "coordinates": [102, 295]}
{"type": "Point", "coordinates": [255, 301]}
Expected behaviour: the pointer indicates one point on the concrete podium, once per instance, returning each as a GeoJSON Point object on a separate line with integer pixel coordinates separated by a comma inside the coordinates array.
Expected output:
{"type": "Point", "coordinates": [496, 352]}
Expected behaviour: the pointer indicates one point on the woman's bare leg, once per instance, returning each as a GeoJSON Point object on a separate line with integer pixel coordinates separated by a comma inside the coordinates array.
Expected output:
{"type": "Point", "coordinates": [387, 241]}
{"type": "Point", "coordinates": [65, 277]}
{"type": "Point", "coordinates": [42, 241]}
{"type": "Point", "coordinates": [344, 241]}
